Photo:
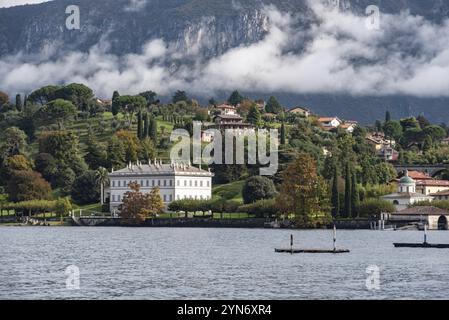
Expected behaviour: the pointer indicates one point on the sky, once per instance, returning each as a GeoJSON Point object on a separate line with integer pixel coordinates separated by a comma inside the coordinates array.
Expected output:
{"type": "Point", "coordinates": [11, 3]}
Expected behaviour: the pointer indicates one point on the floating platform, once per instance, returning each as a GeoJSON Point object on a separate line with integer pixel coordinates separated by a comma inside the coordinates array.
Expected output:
{"type": "Point", "coordinates": [421, 245]}
{"type": "Point", "coordinates": [299, 250]}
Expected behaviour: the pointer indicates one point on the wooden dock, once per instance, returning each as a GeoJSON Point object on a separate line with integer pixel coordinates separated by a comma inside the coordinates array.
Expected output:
{"type": "Point", "coordinates": [421, 245]}
{"type": "Point", "coordinates": [299, 250]}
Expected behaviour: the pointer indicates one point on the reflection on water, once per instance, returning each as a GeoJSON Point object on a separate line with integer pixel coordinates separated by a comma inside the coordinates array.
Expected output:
{"type": "Point", "coordinates": [144, 263]}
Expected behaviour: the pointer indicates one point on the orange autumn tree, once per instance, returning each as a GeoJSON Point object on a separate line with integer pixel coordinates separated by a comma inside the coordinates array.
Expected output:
{"type": "Point", "coordinates": [138, 206]}
{"type": "Point", "coordinates": [304, 194]}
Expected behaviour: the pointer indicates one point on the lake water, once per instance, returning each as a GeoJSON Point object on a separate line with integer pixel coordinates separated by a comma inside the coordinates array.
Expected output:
{"type": "Point", "coordinates": [145, 263]}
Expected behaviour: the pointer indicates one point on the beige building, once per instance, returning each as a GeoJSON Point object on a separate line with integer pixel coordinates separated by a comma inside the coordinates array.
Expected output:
{"type": "Point", "coordinates": [301, 111]}
{"type": "Point", "coordinates": [435, 218]}
{"type": "Point", "coordinates": [406, 195]}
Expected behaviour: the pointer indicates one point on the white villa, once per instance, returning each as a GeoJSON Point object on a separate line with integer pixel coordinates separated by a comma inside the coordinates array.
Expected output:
{"type": "Point", "coordinates": [175, 181]}
{"type": "Point", "coordinates": [406, 194]}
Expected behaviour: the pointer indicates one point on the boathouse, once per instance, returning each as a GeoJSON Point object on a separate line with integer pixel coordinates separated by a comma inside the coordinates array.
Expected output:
{"type": "Point", "coordinates": [435, 218]}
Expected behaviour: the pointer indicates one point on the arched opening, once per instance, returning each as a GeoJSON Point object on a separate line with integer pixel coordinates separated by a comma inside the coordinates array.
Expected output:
{"type": "Point", "coordinates": [442, 223]}
{"type": "Point", "coordinates": [396, 202]}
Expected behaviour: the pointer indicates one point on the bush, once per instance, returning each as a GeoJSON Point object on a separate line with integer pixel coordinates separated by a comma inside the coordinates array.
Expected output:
{"type": "Point", "coordinates": [374, 207]}
{"type": "Point", "coordinates": [258, 188]}
{"type": "Point", "coordinates": [261, 208]}
{"type": "Point", "coordinates": [86, 189]}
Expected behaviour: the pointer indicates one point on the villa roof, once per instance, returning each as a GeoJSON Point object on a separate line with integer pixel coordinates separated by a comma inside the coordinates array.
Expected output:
{"type": "Point", "coordinates": [407, 195]}
{"type": "Point", "coordinates": [441, 193]}
{"type": "Point", "coordinates": [423, 210]}
{"type": "Point", "coordinates": [417, 175]}
{"type": "Point", "coordinates": [433, 183]}
{"type": "Point", "coordinates": [159, 169]}
{"type": "Point", "coordinates": [225, 106]}
{"type": "Point", "coordinates": [328, 119]}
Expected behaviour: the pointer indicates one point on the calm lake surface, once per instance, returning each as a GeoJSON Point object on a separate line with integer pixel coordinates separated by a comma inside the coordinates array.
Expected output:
{"type": "Point", "coordinates": [145, 263]}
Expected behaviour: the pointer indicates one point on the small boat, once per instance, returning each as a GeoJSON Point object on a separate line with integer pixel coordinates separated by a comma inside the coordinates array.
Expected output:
{"type": "Point", "coordinates": [425, 244]}
{"type": "Point", "coordinates": [293, 250]}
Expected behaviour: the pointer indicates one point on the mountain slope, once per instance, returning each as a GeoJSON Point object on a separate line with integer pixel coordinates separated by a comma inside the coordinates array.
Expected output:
{"type": "Point", "coordinates": [205, 28]}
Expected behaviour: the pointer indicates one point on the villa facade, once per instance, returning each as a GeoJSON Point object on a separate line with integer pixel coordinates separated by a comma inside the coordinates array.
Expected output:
{"type": "Point", "coordinates": [175, 181]}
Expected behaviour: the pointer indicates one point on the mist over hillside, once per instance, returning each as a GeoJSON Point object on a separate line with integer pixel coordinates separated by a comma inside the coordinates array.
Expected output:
{"type": "Point", "coordinates": [301, 51]}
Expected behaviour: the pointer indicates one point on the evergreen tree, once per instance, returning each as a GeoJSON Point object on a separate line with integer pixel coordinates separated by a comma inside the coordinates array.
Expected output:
{"type": "Point", "coordinates": [335, 199]}
{"type": "Point", "coordinates": [139, 125]}
{"type": "Point", "coordinates": [348, 192]}
{"type": "Point", "coordinates": [254, 116]}
{"type": "Point", "coordinates": [355, 198]}
{"type": "Point", "coordinates": [25, 101]}
{"type": "Point", "coordinates": [146, 124]}
{"type": "Point", "coordinates": [115, 104]}
{"type": "Point", "coordinates": [273, 106]}
{"type": "Point", "coordinates": [283, 138]}
{"type": "Point", "coordinates": [235, 98]}
{"type": "Point", "coordinates": [19, 105]}
{"type": "Point", "coordinates": [153, 129]}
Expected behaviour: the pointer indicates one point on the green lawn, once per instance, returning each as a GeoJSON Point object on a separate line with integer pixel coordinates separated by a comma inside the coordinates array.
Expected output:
{"type": "Point", "coordinates": [230, 191]}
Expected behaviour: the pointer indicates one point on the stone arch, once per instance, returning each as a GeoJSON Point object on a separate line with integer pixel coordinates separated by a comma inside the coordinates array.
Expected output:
{"type": "Point", "coordinates": [442, 223]}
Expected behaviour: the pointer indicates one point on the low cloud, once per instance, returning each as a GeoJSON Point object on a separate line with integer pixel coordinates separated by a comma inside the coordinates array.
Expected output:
{"type": "Point", "coordinates": [409, 55]}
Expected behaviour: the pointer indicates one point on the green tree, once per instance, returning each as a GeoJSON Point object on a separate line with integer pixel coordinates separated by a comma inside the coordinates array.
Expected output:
{"type": "Point", "coordinates": [355, 197]}
{"type": "Point", "coordinates": [235, 98]}
{"type": "Point", "coordinates": [13, 142]}
{"type": "Point", "coordinates": [102, 175]}
{"type": "Point", "coordinates": [58, 110]}
{"type": "Point", "coordinates": [335, 198]}
{"type": "Point", "coordinates": [254, 116]}
{"type": "Point", "coordinates": [96, 153]}
{"type": "Point", "coordinates": [393, 129]}
{"type": "Point", "coordinates": [273, 106]}
{"type": "Point", "coordinates": [137, 206]}
{"type": "Point", "coordinates": [150, 96]}
{"type": "Point", "coordinates": [80, 95]}
{"type": "Point", "coordinates": [180, 96]}
{"type": "Point", "coordinates": [283, 134]}
{"type": "Point", "coordinates": [258, 188]}
{"type": "Point", "coordinates": [44, 95]}
{"type": "Point", "coordinates": [116, 153]}
{"type": "Point", "coordinates": [303, 192]}
{"type": "Point", "coordinates": [86, 189]}
{"type": "Point", "coordinates": [115, 103]}
{"type": "Point", "coordinates": [153, 129]}
{"type": "Point", "coordinates": [423, 122]}
{"type": "Point", "coordinates": [139, 125]}
{"type": "Point", "coordinates": [146, 125]}
{"type": "Point", "coordinates": [348, 191]}
{"type": "Point", "coordinates": [19, 105]}
{"type": "Point", "coordinates": [436, 133]}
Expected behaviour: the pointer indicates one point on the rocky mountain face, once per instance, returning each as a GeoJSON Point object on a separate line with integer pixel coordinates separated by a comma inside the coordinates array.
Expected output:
{"type": "Point", "coordinates": [197, 27]}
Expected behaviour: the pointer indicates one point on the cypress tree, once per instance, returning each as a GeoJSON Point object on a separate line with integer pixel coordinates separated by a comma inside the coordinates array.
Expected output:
{"type": "Point", "coordinates": [348, 192]}
{"type": "Point", "coordinates": [153, 129]}
{"type": "Point", "coordinates": [139, 125]}
{"type": "Point", "coordinates": [19, 102]}
{"type": "Point", "coordinates": [115, 106]}
{"type": "Point", "coordinates": [283, 140]}
{"type": "Point", "coordinates": [355, 197]}
{"type": "Point", "coordinates": [335, 194]}
{"type": "Point", "coordinates": [146, 124]}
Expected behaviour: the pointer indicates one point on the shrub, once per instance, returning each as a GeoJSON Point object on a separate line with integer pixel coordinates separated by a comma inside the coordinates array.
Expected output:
{"type": "Point", "coordinates": [258, 188]}
{"type": "Point", "coordinates": [261, 208]}
{"type": "Point", "coordinates": [374, 207]}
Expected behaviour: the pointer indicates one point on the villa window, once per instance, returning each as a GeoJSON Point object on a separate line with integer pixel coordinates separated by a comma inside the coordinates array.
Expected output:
{"type": "Point", "coordinates": [201, 183]}
{"type": "Point", "coordinates": [165, 198]}
{"type": "Point", "coordinates": [185, 183]}
{"type": "Point", "coordinates": [196, 183]}
{"type": "Point", "coordinates": [178, 183]}
{"type": "Point", "coordinates": [113, 183]}
{"type": "Point", "coordinates": [165, 183]}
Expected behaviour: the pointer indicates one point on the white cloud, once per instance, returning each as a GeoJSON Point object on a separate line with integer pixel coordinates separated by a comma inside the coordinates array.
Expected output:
{"type": "Point", "coordinates": [408, 55]}
{"type": "Point", "coordinates": [11, 3]}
